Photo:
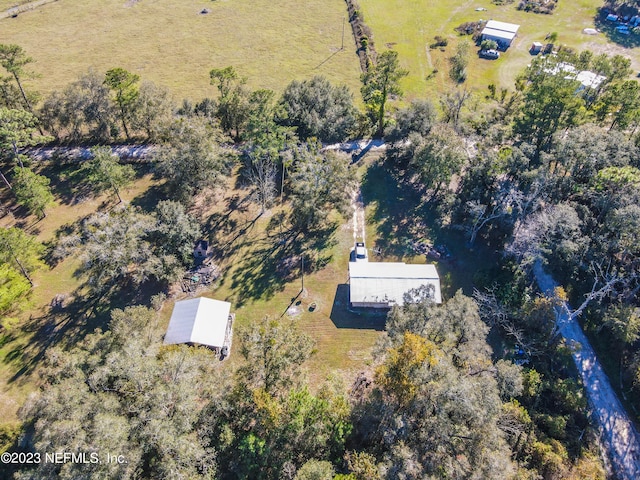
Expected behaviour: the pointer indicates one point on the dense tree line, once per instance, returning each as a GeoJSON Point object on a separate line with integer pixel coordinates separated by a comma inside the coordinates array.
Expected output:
{"type": "Point", "coordinates": [547, 172]}
{"type": "Point", "coordinates": [121, 392]}
{"type": "Point", "coordinates": [435, 405]}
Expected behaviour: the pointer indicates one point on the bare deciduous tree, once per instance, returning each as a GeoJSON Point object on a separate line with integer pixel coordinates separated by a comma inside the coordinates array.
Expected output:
{"type": "Point", "coordinates": [262, 175]}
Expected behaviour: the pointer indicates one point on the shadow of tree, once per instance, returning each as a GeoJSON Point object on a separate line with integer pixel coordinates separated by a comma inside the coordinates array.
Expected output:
{"type": "Point", "coordinates": [24, 220]}
{"type": "Point", "coordinates": [220, 225]}
{"type": "Point", "coordinates": [225, 248]}
{"type": "Point", "coordinates": [275, 261]}
{"type": "Point", "coordinates": [66, 326]}
{"type": "Point", "coordinates": [403, 221]}
{"type": "Point", "coordinates": [398, 210]}
{"type": "Point", "coordinates": [608, 28]}
{"type": "Point", "coordinates": [57, 327]}
{"type": "Point", "coordinates": [69, 182]}
{"type": "Point", "coordinates": [148, 200]}
{"type": "Point", "coordinates": [68, 229]}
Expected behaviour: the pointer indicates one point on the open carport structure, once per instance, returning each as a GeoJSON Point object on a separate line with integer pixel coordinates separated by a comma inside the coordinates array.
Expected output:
{"type": "Point", "coordinates": [201, 321]}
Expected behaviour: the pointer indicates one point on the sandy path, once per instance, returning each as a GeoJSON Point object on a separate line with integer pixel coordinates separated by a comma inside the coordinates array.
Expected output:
{"type": "Point", "coordinates": [358, 216]}
{"type": "Point", "coordinates": [617, 431]}
{"type": "Point", "coordinates": [24, 8]}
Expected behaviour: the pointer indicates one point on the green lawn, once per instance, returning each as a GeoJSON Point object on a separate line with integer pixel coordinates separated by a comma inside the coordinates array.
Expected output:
{"type": "Point", "coordinates": [249, 281]}
{"type": "Point", "coordinates": [169, 42]}
{"type": "Point", "coordinates": [409, 28]}
{"type": "Point", "coordinates": [25, 336]}
{"type": "Point", "coordinates": [343, 340]}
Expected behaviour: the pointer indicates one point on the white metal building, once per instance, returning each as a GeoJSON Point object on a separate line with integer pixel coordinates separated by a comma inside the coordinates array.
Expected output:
{"type": "Point", "coordinates": [589, 79]}
{"type": "Point", "coordinates": [202, 321]}
{"type": "Point", "coordinates": [500, 32]}
{"type": "Point", "coordinates": [586, 78]}
{"type": "Point", "coordinates": [383, 284]}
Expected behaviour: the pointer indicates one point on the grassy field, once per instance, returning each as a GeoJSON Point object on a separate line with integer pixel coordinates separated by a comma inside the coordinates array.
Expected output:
{"type": "Point", "coordinates": [249, 253]}
{"type": "Point", "coordinates": [169, 42]}
{"type": "Point", "coordinates": [25, 337]}
{"type": "Point", "coordinates": [409, 28]}
{"type": "Point", "coordinates": [274, 42]}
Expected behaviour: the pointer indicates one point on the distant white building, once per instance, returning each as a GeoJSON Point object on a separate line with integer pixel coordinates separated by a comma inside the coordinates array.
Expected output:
{"type": "Point", "coordinates": [500, 32]}
{"type": "Point", "coordinates": [586, 78]}
{"type": "Point", "coordinates": [383, 284]}
{"type": "Point", "coordinates": [201, 321]}
{"type": "Point", "coordinates": [589, 79]}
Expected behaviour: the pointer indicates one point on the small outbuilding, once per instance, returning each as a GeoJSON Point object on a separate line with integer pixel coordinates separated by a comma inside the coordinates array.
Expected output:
{"type": "Point", "coordinates": [536, 48]}
{"type": "Point", "coordinates": [384, 284]}
{"type": "Point", "coordinates": [201, 321]}
{"type": "Point", "coordinates": [201, 250]}
{"type": "Point", "coordinates": [589, 79]}
{"type": "Point", "coordinates": [500, 32]}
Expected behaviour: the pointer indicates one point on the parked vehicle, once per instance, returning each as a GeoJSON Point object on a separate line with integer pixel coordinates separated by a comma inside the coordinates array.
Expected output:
{"type": "Point", "coordinates": [361, 253]}
{"type": "Point", "coordinates": [489, 54]}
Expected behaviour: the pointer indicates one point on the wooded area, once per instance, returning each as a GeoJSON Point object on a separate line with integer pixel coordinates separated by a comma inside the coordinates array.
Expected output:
{"type": "Point", "coordinates": [546, 171]}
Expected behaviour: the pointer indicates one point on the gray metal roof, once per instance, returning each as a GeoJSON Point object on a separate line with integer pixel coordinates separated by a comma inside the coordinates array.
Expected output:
{"type": "Point", "coordinates": [198, 320]}
{"type": "Point", "coordinates": [492, 32]}
{"type": "Point", "coordinates": [387, 282]}
{"type": "Point", "coordinates": [504, 26]}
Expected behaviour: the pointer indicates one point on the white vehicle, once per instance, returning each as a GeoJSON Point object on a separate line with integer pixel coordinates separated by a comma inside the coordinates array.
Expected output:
{"type": "Point", "coordinates": [360, 253]}
{"type": "Point", "coordinates": [490, 54]}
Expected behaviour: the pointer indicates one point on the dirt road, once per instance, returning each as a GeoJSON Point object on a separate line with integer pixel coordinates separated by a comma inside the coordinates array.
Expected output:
{"type": "Point", "coordinates": [618, 433]}
{"type": "Point", "coordinates": [358, 216]}
{"type": "Point", "coordinates": [25, 7]}
{"type": "Point", "coordinates": [144, 152]}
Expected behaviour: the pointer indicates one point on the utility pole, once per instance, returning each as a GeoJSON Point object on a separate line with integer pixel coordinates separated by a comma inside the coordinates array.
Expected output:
{"type": "Point", "coordinates": [342, 47]}
{"type": "Point", "coordinates": [302, 269]}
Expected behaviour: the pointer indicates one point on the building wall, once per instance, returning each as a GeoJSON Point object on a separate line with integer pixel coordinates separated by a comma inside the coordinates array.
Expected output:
{"type": "Point", "coordinates": [502, 43]}
{"type": "Point", "coordinates": [370, 305]}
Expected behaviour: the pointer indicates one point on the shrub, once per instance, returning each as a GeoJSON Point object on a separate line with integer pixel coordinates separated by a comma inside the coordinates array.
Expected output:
{"type": "Point", "coordinates": [537, 7]}
{"type": "Point", "coordinates": [439, 41]}
{"type": "Point", "coordinates": [492, 90]}
{"type": "Point", "coordinates": [469, 28]}
{"type": "Point", "coordinates": [488, 45]}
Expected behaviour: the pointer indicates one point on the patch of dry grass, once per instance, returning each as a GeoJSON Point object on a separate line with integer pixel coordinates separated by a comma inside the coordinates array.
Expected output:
{"type": "Point", "coordinates": [23, 336]}
{"type": "Point", "coordinates": [272, 42]}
